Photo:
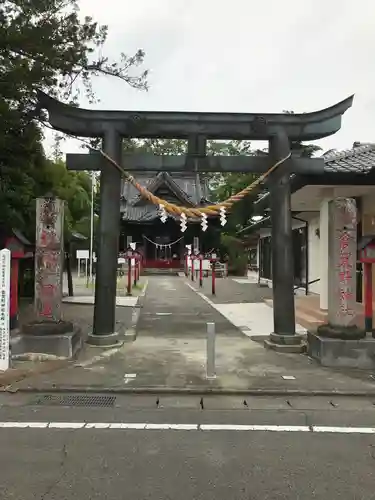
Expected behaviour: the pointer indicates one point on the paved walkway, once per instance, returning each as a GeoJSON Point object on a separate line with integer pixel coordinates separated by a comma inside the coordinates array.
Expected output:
{"type": "Point", "coordinates": [241, 301]}
{"type": "Point", "coordinates": [172, 309]}
{"type": "Point", "coordinates": [234, 290]}
{"type": "Point", "coordinates": [170, 353]}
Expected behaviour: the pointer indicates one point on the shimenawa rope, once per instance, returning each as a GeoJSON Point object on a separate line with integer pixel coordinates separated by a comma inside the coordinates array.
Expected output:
{"type": "Point", "coordinates": [210, 210]}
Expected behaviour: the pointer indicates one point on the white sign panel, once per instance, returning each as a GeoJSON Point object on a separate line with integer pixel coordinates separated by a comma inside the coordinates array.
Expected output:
{"type": "Point", "coordinates": [83, 254]}
{"type": "Point", "coordinates": [133, 245]}
{"type": "Point", "coordinates": [4, 308]}
{"type": "Point", "coordinates": [206, 265]}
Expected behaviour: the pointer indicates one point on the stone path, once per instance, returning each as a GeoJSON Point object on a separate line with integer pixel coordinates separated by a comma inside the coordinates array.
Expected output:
{"type": "Point", "coordinates": [170, 353]}
{"type": "Point", "coordinates": [241, 301]}
{"type": "Point", "coordinates": [234, 290]}
{"type": "Point", "coordinates": [172, 309]}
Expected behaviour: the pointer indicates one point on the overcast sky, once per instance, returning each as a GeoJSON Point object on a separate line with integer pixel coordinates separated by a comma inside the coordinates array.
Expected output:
{"type": "Point", "coordinates": [245, 56]}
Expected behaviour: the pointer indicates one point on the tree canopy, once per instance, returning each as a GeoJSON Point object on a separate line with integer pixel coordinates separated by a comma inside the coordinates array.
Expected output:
{"type": "Point", "coordinates": [46, 45]}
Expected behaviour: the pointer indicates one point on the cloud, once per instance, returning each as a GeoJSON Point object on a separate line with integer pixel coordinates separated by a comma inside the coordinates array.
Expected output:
{"type": "Point", "coordinates": [245, 56]}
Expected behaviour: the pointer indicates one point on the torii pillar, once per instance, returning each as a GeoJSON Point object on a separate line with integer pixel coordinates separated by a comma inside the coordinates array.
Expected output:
{"type": "Point", "coordinates": [104, 327]}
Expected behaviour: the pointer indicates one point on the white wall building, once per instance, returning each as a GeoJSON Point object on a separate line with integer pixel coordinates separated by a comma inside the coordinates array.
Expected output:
{"type": "Point", "coordinates": [347, 174]}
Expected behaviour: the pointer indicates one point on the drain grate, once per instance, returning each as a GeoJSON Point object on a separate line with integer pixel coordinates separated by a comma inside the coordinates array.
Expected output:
{"type": "Point", "coordinates": [75, 400]}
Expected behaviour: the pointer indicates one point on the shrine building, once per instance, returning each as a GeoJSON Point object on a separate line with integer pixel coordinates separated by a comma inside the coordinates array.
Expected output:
{"type": "Point", "coordinates": [163, 245]}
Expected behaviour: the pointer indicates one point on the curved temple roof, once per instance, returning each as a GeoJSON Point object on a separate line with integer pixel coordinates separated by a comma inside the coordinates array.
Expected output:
{"type": "Point", "coordinates": [174, 125]}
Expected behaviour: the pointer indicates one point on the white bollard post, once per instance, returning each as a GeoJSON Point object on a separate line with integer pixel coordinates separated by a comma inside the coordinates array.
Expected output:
{"type": "Point", "coordinates": [210, 368]}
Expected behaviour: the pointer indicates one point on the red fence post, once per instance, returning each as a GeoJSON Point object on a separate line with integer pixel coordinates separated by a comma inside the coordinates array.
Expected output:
{"type": "Point", "coordinates": [213, 263]}
{"type": "Point", "coordinates": [135, 271]}
{"type": "Point", "coordinates": [201, 271]}
{"type": "Point", "coordinates": [129, 256]}
{"type": "Point", "coordinates": [368, 296]}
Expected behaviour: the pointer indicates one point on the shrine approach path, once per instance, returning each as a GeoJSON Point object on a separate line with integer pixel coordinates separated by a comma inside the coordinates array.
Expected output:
{"type": "Point", "coordinates": [172, 309]}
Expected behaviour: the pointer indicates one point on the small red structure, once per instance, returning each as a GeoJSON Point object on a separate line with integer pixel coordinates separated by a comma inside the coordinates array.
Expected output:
{"type": "Point", "coordinates": [19, 248]}
{"type": "Point", "coordinates": [137, 270]}
{"type": "Point", "coordinates": [192, 259]}
{"type": "Point", "coordinates": [200, 256]}
{"type": "Point", "coordinates": [366, 249]}
{"type": "Point", "coordinates": [213, 261]}
{"type": "Point", "coordinates": [129, 256]}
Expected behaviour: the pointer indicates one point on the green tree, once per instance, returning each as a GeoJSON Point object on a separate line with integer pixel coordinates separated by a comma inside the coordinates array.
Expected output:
{"type": "Point", "coordinates": [45, 45]}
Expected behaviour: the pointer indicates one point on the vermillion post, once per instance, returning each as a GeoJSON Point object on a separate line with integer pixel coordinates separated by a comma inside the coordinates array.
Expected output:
{"type": "Point", "coordinates": [192, 268]}
{"type": "Point", "coordinates": [368, 297]}
{"type": "Point", "coordinates": [187, 265]}
{"type": "Point", "coordinates": [129, 290]}
{"type": "Point", "coordinates": [213, 278]}
{"type": "Point", "coordinates": [135, 271]}
{"type": "Point", "coordinates": [201, 272]}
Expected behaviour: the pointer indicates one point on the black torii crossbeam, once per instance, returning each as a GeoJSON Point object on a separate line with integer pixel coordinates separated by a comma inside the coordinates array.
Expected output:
{"type": "Point", "coordinates": [185, 163]}
{"type": "Point", "coordinates": [278, 129]}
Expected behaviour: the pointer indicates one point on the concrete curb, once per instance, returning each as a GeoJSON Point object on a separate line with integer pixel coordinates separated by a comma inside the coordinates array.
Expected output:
{"type": "Point", "coordinates": [14, 375]}
{"type": "Point", "coordinates": [193, 391]}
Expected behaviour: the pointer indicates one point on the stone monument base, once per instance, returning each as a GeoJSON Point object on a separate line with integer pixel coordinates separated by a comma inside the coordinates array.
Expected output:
{"type": "Point", "coordinates": [60, 339]}
{"type": "Point", "coordinates": [285, 343]}
{"type": "Point", "coordinates": [342, 353]}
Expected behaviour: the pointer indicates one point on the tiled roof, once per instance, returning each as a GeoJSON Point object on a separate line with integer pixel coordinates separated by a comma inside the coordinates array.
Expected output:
{"type": "Point", "coordinates": [164, 179]}
{"type": "Point", "coordinates": [183, 186]}
{"type": "Point", "coordinates": [145, 213]}
{"type": "Point", "coordinates": [359, 159]}
{"type": "Point", "coordinates": [186, 183]}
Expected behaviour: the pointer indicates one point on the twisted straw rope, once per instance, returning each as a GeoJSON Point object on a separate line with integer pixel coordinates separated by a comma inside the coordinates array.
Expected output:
{"type": "Point", "coordinates": [211, 210]}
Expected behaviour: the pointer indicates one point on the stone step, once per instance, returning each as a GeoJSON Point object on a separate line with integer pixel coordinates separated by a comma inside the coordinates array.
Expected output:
{"type": "Point", "coordinates": [312, 311]}
{"type": "Point", "coordinates": [307, 321]}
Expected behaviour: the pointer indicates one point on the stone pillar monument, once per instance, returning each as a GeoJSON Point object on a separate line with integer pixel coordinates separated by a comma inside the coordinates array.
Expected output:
{"type": "Point", "coordinates": [48, 333]}
{"type": "Point", "coordinates": [342, 262]}
{"type": "Point", "coordinates": [340, 342]}
{"type": "Point", "coordinates": [49, 258]}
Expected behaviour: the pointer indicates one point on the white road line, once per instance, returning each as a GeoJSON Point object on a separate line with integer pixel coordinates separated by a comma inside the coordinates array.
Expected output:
{"type": "Point", "coordinates": [201, 295]}
{"type": "Point", "coordinates": [187, 427]}
{"type": "Point", "coordinates": [345, 430]}
{"type": "Point", "coordinates": [66, 425]}
{"type": "Point", "coordinates": [272, 428]}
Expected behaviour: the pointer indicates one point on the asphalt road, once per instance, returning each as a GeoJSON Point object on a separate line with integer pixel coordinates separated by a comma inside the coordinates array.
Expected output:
{"type": "Point", "coordinates": [101, 463]}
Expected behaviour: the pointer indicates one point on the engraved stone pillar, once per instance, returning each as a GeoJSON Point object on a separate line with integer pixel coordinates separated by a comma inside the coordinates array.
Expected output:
{"type": "Point", "coordinates": [342, 262]}
{"type": "Point", "coordinates": [49, 255]}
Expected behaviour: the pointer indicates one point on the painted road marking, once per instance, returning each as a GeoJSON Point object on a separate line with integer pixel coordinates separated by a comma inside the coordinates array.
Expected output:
{"type": "Point", "coordinates": [315, 429]}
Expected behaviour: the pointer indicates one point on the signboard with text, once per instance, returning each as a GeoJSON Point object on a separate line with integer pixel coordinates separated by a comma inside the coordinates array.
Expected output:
{"type": "Point", "coordinates": [342, 261]}
{"type": "Point", "coordinates": [4, 308]}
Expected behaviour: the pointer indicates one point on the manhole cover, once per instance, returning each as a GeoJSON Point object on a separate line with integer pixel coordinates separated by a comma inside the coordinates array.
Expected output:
{"type": "Point", "coordinates": [74, 400]}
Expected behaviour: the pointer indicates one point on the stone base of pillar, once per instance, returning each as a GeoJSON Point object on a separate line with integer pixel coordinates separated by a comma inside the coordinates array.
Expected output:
{"type": "Point", "coordinates": [56, 338]}
{"type": "Point", "coordinates": [285, 343]}
{"type": "Point", "coordinates": [109, 340]}
{"type": "Point", "coordinates": [342, 353]}
{"type": "Point", "coordinates": [341, 332]}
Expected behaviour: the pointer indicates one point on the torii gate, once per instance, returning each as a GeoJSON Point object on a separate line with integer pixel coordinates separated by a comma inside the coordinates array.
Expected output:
{"type": "Point", "coordinates": [197, 128]}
